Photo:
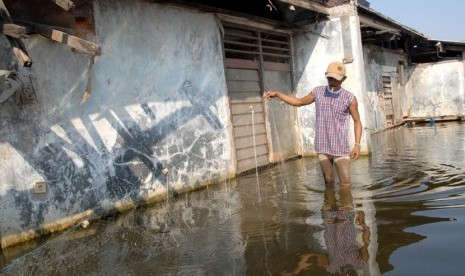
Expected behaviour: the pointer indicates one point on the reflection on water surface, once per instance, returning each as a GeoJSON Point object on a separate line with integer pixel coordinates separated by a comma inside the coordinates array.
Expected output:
{"type": "Point", "coordinates": [404, 215]}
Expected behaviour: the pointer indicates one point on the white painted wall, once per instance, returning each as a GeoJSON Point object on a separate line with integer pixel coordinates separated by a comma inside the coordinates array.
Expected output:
{"type": "Point", "coordinates": [437, 89]}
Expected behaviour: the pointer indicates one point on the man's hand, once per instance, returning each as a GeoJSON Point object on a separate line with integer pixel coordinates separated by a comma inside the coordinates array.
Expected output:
{"type": "Point", "coordinates": [355, 153]}
{"type": "Point", "coordinates": [270, 94]}
{"type": "Point", "coordinates": [289, 99]}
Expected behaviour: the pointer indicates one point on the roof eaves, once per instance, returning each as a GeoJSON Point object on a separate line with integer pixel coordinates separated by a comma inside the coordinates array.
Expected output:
{"type": "Point", "coordinates": [391, 21]}
{"type": "Point", "coordinates": [450, 42]}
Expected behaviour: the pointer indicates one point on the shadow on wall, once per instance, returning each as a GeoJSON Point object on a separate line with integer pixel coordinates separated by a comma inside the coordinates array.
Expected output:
{"type": "Point", "coordinates": [130, 170]}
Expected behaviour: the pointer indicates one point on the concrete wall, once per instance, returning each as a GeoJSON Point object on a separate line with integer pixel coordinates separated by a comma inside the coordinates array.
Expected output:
{"type": "Point", "coordinates": [153, 104]}
{"type": "Point", "coordinates": [437, 89]}
{"type": "Point", "coordinates": [379, 62]}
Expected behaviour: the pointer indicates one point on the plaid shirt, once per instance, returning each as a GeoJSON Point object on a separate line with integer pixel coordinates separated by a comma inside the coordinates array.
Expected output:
{"type": "Point", "coordinates": [332, 121]}
{"type": "Point", "coordinates": [340, 236]}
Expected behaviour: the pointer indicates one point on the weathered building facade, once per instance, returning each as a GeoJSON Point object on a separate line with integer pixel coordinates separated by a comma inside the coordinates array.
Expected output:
{"type": "Point", "coordinates": [408, 75]}
{"type": "Point", "coordinates": [127, 102]}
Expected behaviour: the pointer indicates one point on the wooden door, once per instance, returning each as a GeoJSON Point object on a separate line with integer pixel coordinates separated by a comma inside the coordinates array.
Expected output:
{"type": "Point", "coordinates": [388, 105]}
{"type": "Point", "coordinates": [256, 60]}
{"type": "Point", "coordinates": [247, 118]}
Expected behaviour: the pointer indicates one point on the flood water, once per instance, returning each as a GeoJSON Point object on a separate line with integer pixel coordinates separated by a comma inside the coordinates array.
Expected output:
{"type": "Point", "coordinates": [403, 215]}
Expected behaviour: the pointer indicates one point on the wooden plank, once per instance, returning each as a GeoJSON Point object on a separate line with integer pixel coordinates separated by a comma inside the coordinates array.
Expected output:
{"type": "Point", "coordinates": [386, 79]}
{"type": "Point", "coordinates": [247, 164]}
{"type": "Point", "coordinates": [246, 119]}
{"type": "Point", "coordinates": [274, 66]}
{"type": "Point", "coordinates": [244, 86]}
{"type": "Point", "coordinates": [307, 5]}
{"type": "Point", "coordinates": [248, 140]}
{"type": "Point", "coordinates": [242, 74]}
{"type": "Point", "coordinates": [242, 97]}
{"type": "Point", "coordinates": [367, 21]}
{"type": "Point", "coordinates": [227, 44]}
{"type": "Point", "coordinates": [13, 30]}
{"type": "Point", "coordinates": [260, 142]}
{"type": "Point", "coordinates": [19, 49]}
{"type": "Point", "coordinates": [244, 131]}
{"type": "Point", "coordinates": [64, 4]}
{"type": "Point", "coordinates": [249, 152]}
{"type": "Point", "coordinates": [72, 41]}
{"type": "Point", "coordinates": [238, 109]}
{"type": "Point", "coordinates": [454, 48]}
{"type": "Point", "coordinates": [241, 63]}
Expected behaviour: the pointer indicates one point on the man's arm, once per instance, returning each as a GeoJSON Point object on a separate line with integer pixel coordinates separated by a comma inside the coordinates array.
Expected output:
{"type": "Point", "coordinates": [353, 109]}
{"type": "Point", "coordinates": [290, 99]}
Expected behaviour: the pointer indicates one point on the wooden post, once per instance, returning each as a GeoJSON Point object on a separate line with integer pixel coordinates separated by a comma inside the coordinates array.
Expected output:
{"type": "Point", "coordinates": [13, 30]}
{"type": "Point", "coordinates": [17, 45]}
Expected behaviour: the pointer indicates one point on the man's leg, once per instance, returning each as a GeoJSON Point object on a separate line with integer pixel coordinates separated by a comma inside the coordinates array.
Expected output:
{"type": "Point", "coordinates": [326, 164]}
{"type": "Point", "coordinates": [343, 169]}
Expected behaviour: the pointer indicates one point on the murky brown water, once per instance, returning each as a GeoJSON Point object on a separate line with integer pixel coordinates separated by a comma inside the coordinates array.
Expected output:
{"type": "Point", "coordinates": [404, 215]}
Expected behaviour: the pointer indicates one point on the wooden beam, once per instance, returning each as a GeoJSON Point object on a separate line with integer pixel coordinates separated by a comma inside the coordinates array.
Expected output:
{"type": "Point", "coordinates": [455, 48]}
{"type": "Point", "coordinates": [72, 41]}
{"type": "Point", "coordinates": [307, 5]}
{"type": "Point", "coordinates": [13, 30]}
{"type": "Point", "coordinates": [366, 21]}
{"type": "Point", "coordinates": [64, 4]}
{"type": "Point", "coordinates": [19, 50]}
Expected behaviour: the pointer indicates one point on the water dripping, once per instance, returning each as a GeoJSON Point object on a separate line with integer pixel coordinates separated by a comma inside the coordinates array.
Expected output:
{"type": "Point", "coordinates": [281, 160]}
{"type": "Point", "coordinates": [229, 193]}
{"type": "Point", "coordinates": [164, 226]}
{"type": "Point", "coordinates": [255, 153]}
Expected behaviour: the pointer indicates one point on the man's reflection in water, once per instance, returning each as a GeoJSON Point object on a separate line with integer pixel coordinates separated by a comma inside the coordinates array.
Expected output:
{"type": "Point", "coordinates": [342, 224]}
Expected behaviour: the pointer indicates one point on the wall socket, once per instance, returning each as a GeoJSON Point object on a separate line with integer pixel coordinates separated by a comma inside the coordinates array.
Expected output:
{"type": "Point", "coordinates": [40, 187]}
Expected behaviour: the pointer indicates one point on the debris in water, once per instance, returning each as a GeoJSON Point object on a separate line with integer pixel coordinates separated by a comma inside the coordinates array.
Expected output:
{"type": "Point", "coordinates": [84, 224]}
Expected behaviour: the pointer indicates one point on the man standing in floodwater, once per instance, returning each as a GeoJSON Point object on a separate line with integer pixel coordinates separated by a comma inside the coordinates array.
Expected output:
{"type": "Point", "coordinates": [333, 105]}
